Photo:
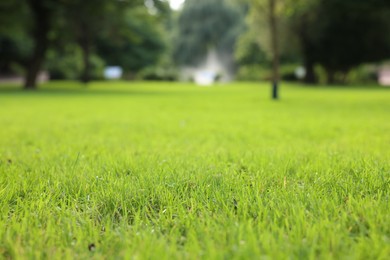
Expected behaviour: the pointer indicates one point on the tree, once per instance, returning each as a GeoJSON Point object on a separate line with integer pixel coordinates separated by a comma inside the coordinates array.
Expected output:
{"type": "Point", "coordinates": [302, 16]}
{"type": "Point", "coordinates": [121, 32]}
{"type": "Point", "coordinates": [32, 19]}
{"type": "Point", "coordinates": [86, 19]}
{"type": "Point", "coordinates": [268, 15]}
{"type": "Point", "coordinates": [340, 35]}
{"type": "Point", "coordinates": [135, 43]}
{"type": "Point", "coordinates": [15, 45]}
{"type": "Point", "coordinates": [205, 25]}
{"type": "Point", "coordinates": [76, 21]}
{"type": "Point", "coordinates": [273, 27]}
{"type": "Point", "coordinates": [356, 33]}
{"type": "Point", "coordinates": [41, 11]}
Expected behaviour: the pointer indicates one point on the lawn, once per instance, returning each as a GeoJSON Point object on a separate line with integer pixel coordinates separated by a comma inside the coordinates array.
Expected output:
{"type": "Point", "coordinates": [173, 171]}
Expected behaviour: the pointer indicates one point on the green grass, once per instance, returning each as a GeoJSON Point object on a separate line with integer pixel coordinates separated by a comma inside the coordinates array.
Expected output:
{"type": "Point", "coordinates": [168, 171]}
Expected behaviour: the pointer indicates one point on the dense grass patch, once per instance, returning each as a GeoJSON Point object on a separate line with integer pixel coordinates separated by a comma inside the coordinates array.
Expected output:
{"type": "Point", "coordinates": [176, 171]}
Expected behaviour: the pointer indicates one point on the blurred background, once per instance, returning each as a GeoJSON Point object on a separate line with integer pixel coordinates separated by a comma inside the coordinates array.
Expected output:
{"type": "Point", "coordinates": [206, 41]}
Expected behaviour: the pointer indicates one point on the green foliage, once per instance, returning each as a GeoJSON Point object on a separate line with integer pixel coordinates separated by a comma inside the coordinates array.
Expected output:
{"type": "Point", "coordinates": [337, 35]}
{"type": "Point", "coordinates": [173, 171]}
{"type": "Point", "coordinates": [158, 73]}
{"type": "Point", "coordinates": [252, 72]}
{"type": "Point", "coordinates": [206, 24]}
{"type": "Point", "coordinates": [258, 27]}
{"type": "Point", "coordinates": [138, 43]}
{"type": "Point", "coordinates": [366, 73]}
{"type": "Point", "coordinates": [267, 34]}
{"type": "Point", "coordinates": [341, 35]}
{"type": "Point", "coordinates": [14, 51]}
{"type": "Point", "coordinates": [14, 17]}
{"type": "Point", "coordinates": [118, 32]}
{"type": "Point", "coordinates": [67, 64]}
{"type": "Point", "coordinates": [15, 44]}
{"type": "Point", "coordinates": [363, 74]}
{"type": "Point", "coordinates": [248, 51]}
{"type": "Point", "coordinates": [256, 72]}
{"type": "Point", "coordinates": [354, 33]}
{"type": "Point", "coordinates": [97, 67]}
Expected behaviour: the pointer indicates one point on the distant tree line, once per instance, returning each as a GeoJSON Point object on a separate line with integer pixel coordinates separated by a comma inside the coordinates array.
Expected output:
{"type": "Point", "coordinates": [74, 38]}
{"type": "Point", "coordinates": [270, 38]}
{"type": "Point", "coordinates": [336, 35]}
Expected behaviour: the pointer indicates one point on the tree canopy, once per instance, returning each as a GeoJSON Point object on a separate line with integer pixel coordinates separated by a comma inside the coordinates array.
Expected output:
{"type": "Point", "coordinates": [77, 38]}
{"type": "Point", "coordinates": [205, 24]}
{"type": "Point", "coordinates": [124, 33]}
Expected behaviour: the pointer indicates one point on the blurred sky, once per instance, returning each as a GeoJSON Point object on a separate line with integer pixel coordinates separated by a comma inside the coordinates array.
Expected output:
{"type": "Point", "coordinates": [176, 4]}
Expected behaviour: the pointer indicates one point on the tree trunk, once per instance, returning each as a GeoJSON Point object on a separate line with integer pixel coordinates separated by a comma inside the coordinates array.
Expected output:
{"type": "Point", "coordinates": [86, 75]}
{"type": "Point", "coordinates": [274, 48]}
{"type": "Point", "coordinates": [85, 45]}
{"type": "Point", "coordinates": [310, 77]}
{"type": "Point", "coordinates": [330, 77]}
{"type": "Point", "coordinates": [308, 50]}
{"type": "Point", "coordinates": [344, 77]}
{"type": "Point", "coordinates": [41, 19]}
